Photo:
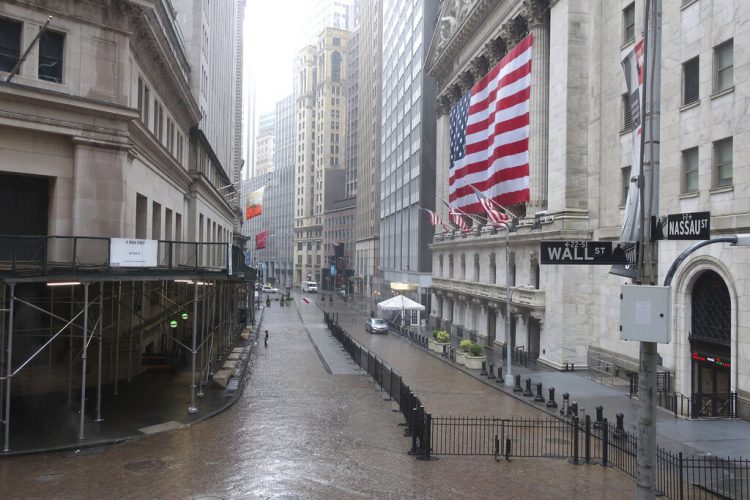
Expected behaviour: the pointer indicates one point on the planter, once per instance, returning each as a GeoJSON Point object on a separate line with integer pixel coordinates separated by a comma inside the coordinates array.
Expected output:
{"type": "Point", "coordinates": [436, 346]}
{"type": "Point", "coordinates": [473, 362]}
{"type": "Point", "coordinates": [460, 357]}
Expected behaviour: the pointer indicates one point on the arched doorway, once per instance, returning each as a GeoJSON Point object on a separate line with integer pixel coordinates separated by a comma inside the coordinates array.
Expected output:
{"type": "Point", "coordinates": [710, 346]}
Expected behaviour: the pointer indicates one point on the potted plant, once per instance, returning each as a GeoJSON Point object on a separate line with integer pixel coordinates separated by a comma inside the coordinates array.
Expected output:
{"type": "Point", "coordinates": [474, 357]}
{"type": "Point", "coordinates": [439, 339]}
{"type": "Point", "coordinates": [463, 349]}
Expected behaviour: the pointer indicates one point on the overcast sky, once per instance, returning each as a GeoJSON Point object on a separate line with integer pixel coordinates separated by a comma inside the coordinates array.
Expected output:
{"type": "Point", "coordinates": [270, 44]}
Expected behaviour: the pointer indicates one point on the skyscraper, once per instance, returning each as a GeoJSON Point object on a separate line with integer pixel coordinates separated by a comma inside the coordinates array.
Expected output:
{"type": "Point", "coordinates": [368, 148]}
{"type": "Point", "coordinates": [320, 101]}
{"type": "Point", "coordinates": [407, 147]}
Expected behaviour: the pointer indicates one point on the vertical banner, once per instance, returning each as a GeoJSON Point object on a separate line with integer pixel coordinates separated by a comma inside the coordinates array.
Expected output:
{"type": "Point", "coordinates": [254, 203]}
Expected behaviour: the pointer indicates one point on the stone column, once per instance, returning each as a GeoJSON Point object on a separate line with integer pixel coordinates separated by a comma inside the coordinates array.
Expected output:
{"type": "Point", "coordinates": [537, 12]}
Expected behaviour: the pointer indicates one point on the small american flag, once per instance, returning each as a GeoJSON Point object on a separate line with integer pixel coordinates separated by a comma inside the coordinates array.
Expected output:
{"type": "Point", "coordinates": [495, 216]}
{"type": "Point", "coordinates": [489, 130]}
{"type": "Point", "coordinates": [457, 219]}
{"type": "Point", "coordinates": [435, 219]}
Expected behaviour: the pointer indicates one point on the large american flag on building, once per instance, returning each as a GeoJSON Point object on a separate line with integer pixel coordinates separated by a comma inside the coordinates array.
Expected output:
{"type": "Point", "coordinates": [490, 135]}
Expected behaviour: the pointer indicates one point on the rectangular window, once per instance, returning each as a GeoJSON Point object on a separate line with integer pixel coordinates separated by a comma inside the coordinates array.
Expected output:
{"type": "Point", "coordinates": [628, 23]}
{"type": "Point", "coordinates": [179, 148]}
{"type": "Point", "coordinates": [141, 214]}
{"type": "Point", "coordinates": [724, 66]}
{"type": "Point", "coordinates": [146, 111]}
{"type": "Point", "coordinates": [625, 183]}
{"type": "Point", "coordinates": [10, 44]}
{"type": "Point", "coordinates": [178, 227]}
{"type": "Point", "coordinates": [723, 162]}
{"type": "Point", "coordinates": [690, 81]}
{"type": "Point", "coordinates": [51, 56]}
{"type": "Point", "coordinates": [156, 221]}
{"type": "Point", "coordinates": [627, 113]}
{"type": "Point", "coordinates": [690, 170]}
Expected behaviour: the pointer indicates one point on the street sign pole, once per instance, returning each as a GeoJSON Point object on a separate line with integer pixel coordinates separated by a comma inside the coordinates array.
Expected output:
{"type": "Point", "coordinates": [649, 195]}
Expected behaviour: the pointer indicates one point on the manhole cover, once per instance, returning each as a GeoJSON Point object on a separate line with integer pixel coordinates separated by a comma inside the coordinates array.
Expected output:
{"type": "Point", "coordinates": [148, 464]}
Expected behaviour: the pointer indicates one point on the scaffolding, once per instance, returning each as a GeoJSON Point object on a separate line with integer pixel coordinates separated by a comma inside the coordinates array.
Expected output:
{"type": "Point", "coordinates": [68, 302]}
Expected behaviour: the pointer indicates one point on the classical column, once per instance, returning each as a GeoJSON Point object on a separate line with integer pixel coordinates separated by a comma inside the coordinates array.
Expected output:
{"type": "Point", "coordinates": [537, 12]}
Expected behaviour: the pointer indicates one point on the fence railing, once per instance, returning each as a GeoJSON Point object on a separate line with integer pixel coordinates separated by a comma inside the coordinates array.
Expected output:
{"type": "Point", "coordinates": [581, 440]}
{"type": "Point", "coordinates": [24, 255]}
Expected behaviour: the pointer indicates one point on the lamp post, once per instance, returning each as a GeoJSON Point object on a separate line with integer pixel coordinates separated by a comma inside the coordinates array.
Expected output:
{"type": "Point", "coordinates": [508, 297]}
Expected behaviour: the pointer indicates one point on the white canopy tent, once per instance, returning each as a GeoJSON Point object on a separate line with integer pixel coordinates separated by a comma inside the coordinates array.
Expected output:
{"type": "Point", "coordinates": [403, 304]}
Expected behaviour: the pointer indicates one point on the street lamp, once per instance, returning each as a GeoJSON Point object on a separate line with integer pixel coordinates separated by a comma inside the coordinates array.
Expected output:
{"type": "Point", "coordinates": [509, 227]}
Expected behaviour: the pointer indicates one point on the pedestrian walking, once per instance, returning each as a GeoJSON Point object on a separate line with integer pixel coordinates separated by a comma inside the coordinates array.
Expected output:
{"type": "Point", "coordinates": [265, 342]}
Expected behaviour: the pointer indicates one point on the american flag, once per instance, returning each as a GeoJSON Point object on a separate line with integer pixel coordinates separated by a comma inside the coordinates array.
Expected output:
{"type": "Point", "coordinates": [457, 219]}
{"type": "Point", "coordinates": [490, 135]}
{"type": "Point", "coordinates": [495, 216]}
{"type": "Point", "coordinates": [435, 219]}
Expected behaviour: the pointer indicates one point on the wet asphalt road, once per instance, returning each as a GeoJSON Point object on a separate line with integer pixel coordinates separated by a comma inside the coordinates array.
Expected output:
{"type": "Point", "coordinates": [308, 425]}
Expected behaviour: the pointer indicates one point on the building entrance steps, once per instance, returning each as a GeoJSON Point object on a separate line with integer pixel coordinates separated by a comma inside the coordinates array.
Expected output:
{"type": "Point", "coordinates": [717, 437]}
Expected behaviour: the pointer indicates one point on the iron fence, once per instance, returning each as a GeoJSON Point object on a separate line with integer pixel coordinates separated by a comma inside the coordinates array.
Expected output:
{"type": "Point", "coordinates": [32, 255]}
{"type": "Point", "coordinates": [583, 442]}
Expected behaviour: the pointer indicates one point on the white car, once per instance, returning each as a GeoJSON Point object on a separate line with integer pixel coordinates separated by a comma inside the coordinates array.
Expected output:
{"type": "Point", "coordinates": [269, 289]}
{"type": "Point", "coordinates": [376, 325]}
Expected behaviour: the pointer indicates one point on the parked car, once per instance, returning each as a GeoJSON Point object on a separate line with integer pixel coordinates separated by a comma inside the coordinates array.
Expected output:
{"type": "Point", "coordinates": [376, 325]}
{"type": "Point", "coordinates": [270, 289]}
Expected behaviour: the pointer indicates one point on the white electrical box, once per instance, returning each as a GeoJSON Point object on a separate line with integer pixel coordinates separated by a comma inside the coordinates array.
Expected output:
{"type": "Point", "coordinates": [645, 313]}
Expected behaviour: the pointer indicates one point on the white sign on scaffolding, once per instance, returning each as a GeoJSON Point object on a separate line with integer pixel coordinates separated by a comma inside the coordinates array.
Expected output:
{"type": "Point", "coordinates": [126, 252]}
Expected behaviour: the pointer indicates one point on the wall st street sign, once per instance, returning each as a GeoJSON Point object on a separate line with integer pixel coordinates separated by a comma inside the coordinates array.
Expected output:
{"type": "Point", "coordinates": [687, 226]}
{"type": "Point", "coordinates": [589, 252]}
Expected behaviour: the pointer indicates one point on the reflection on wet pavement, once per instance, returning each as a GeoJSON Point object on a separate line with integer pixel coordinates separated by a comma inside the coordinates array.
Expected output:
{"type": "Point", "coordinates": [298, 431]}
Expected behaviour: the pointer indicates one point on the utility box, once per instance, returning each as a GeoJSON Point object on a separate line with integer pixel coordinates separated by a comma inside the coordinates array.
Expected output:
{"type": "Point", "coordinates": [646, 313]}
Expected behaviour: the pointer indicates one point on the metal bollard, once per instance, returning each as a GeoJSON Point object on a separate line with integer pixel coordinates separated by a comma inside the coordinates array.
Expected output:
{"type": "Point", "coordinates": [507, 449]}
{"type": "Point", "coordinates": [565, 403]}
{"type": "Point", "coordinates": [574, 408]}
{"type": "Point", "coordinates": [527, 392]}
{"type": "Point", "coordinates": [575, 460]}
{"type": "Point", "coordinates": [539, 398]}
{"type": "Point", "coordinates": [517, 386]}
{"type": "Point", "coordinates": [599, 417]}
{"type": "Point", "coordinates": [551, 399]}
{"type": "Point", "coordinates": [483, 373]}
{"type": "Point", "coordinates": [500, 377]}
{"type": "Point", "coordinates": [620, 428]}
{"type": "Point", "coordinates": [491, 374]}
{"type": "Point", "coordinates": [587, 440]}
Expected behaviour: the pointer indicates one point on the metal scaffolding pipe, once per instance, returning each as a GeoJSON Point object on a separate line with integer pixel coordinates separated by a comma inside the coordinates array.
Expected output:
{"type": "Point", "coordinates": [99, 371]}
{"type": "Point", "coordinates": [70, 349]}
{"type": "Point", "coordinates": [9, 366]}
{"type": "Point", "coordinates": [117, 335]}
{"type": "Point", "coordinates": [192, 408]}
{"type": "Point", "coordinates": [83, 357]}
{"type": "Point", "coordinates": [130, 331]}
{"type": "Point", "coordinates": [203, 336]}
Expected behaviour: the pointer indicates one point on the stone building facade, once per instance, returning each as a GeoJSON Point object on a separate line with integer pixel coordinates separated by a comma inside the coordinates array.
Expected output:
{"type": "Point", "coordinates": [320, 94]}
{"type": "Point", "coordinates": [580, 157]}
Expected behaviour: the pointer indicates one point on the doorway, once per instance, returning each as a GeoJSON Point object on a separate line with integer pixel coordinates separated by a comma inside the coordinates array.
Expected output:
{"type": "Point", "coordinates": [710, 347]}
{"type": "Point", "coordinates": [491, 326]}
{"type": "Point", "coordinates": [534, 334]}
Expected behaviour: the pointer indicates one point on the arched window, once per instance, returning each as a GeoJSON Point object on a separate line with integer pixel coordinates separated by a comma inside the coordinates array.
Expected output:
{"type": "Point", "coordinates": [336, 67]}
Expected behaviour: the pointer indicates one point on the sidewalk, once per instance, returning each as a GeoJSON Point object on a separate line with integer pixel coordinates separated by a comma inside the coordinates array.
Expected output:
{"type": "Point", "coordinates": [718, 437]}
{"type": "Point", "coordinates": [151, 402]}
